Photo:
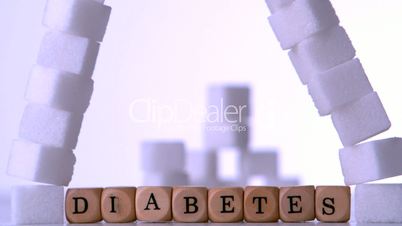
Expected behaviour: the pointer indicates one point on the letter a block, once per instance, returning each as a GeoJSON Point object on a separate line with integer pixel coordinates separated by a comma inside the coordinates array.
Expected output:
{"type": "Point", "coordinates": [154, 204]}
{"type": "Point", "coordinates": [225, 205]}
{"type": "Point", "coordinates": [332, 203]}
{"type": "Point", "coordinates": [190, 204]}
{"type": "Point", "coordinates": [261, 204]}
{"type": "Point", "coordinates": [296, 204]}
{"type": "Point", "coordinates": [83, 205]}
{"type": "Point", "coordinates": [118, 205]}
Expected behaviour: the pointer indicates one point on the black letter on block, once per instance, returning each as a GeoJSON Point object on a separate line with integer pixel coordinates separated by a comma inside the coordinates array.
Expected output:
{"type": "Point", "coordinates": [192, 204]}
{"type": "Point", "coordinates": [226, 203]}
{"type": "Point", "coordinates": [152, 201]}
{"type": "Point", "coordinates": [112, 198]}
{"type": "Point", "coordinates": [76, 210]}
{"type": "Point", "coordinates": [330, 205]}
{"type": "Point", "coordinates": [294, 203]}
{"type": "Point", "coordinates": [259, 203]}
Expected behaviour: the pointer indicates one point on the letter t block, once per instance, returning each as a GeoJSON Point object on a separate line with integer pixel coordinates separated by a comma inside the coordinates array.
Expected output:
{"type": "Point", "coordinates": [296, 204]}
{"type": "Point", "coordinates": [83, 205]}
{"type": "Point", "coordinates": [190, 204]}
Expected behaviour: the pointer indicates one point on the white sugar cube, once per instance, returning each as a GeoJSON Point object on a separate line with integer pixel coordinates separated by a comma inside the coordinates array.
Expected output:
{"type": "Point", "coordinates": [320, 52]}
{"type": "Point", "coordinates": [41, 163]}
{"type": "Point", "coordinates": [221, 135]}
{"type": "Point", "coordinates": [37, 204]}
{"type": "Point", "coordinates": [360, 120]}
{"type": "Point", "coordinates": [378, 203]}
{"type": "Point", "coordinates": [275, 5]}
{"type": "Point", "coordinates": [58, 89]}
{"type": "Point", "coordinates": [68, 53]}
{"type": "Point", "coordinates": [77, 17]}
{"type": "Point", "coordinates": [48, 126]}
{"type": "Point", "coordinates": [302, 19]}
{"type": "Point", "coordinates": [162, 156]}
{"type": "Point", "coordinates": [202, 167]}
{"type": "Point", "coordinates": [338, 86]}
{"type": "Point", "coordinates": [371, 161]}
{"type": "Point", "coordinates": [261, 163]}
{"type": "Point", "coordinates": [165, 179]}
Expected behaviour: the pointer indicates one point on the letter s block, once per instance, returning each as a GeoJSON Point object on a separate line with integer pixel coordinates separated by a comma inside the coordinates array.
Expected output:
{"type": "Point", "coordinates": [296, 204]}
{"type": "Point", "coordinates": [332, 203]}
{"type": "Point", "coordinates": [225, 205]}
{"type": "Point", "coordinates": [153, 204]}
{"type": "Point", "coordinates": [83, 205]}
{"type": "Point", "coordinates": [190, 204]}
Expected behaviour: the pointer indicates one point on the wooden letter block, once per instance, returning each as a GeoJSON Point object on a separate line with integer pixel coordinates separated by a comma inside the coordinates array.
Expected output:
{"type": "Point", "coordinates": [332, 203]}
{"type": "Point", "coordinates": [225, 205]}
{"type": "Point", "coordinates": [118, 205]}
{"type": "Point", "coordinates": [190, 204]}
{"type": "Point", "coordinates": [154, 204]}
{"type": "Point", "coordinates": [261, 204]}
{"type": "Point", "coordinates": [83, 205]}
{"type": "Point", "coordinates": [296, 204]}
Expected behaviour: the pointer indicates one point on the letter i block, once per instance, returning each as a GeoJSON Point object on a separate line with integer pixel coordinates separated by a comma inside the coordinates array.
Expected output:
{"type": "Point", "coordinates": [332, 203]}
{"type": "Point", "coordinates": [296, 204]}
{"type": "Point", "coordinates": [190, 204]}
{"type": "Point", "coordinates": [118, 204]}
{"type": "Point", "coordinates": [154, 204]}
{"type": "Point", "coordinates": [225, 205]}
{"type": "Point", "coordinates": [261, 204]}
{"type": "Point", "coordinates": [83, 205]}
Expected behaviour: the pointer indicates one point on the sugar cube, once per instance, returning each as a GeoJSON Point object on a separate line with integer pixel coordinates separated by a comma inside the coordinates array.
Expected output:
{"type": "Point", "coordinates": [221, 135]}
{"type": "Point", "coordinates": [338, 86]}
{"type": "Point", "coordinates": [58, 89]}
{"type": "Point", "coordinates": [165, 179]}
{"type": "Point", "coordinates": [302, 19]}
{"type": "Point", "coordinates": [37, 204]}
{"type": "Point", "coordinates": [154, 155]}
{"type": "Point", "coordinates": [320, 52]}
{"type": "Point", "coordinates": [275, 5]}
{"type": "Point", "coordinates": [78, 17]}
{"type": "Point", "coordinates": [371, 161]}
{"type": "Point", "coordinates": [261, 163]}
{"type": "Point", "coordinates": [360, 120]}
{"type": "Point", "coordinates": [202, 167]}
{"type": "Point", "coordinates": [68, 53]}
{"type": "Point", "coordinates": [41, 163]}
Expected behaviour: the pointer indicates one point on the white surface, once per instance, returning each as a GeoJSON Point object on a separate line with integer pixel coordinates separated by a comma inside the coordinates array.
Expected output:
{"type": "Point", "coordinates": [37, 205]}
{"type": "Point", "coordinates": [378, 203]}
{"type": "Point", "coordinates": [83, 18]}
{"type": "Point", "coordinates": [68, 53]}
{"type": "Point", "coordinates": [321, 52]}
{"type": "Point", "coordinates": [162, 156]}
{"type": "Point", "coordinates": [275, 5]}
{"type": "Point", "coordinates": [49, 126]}
{"type": "Point", "coordinates": [39, 163]}
{"type": "Point", "coordinates": [57, 89]}
{"type": "Point", "coordinates": [338, 86]}
{"type": "Point", "coordinates": [360, 120]}
{"type": "Point", "coordinates": [372, 161]}
{"type": "Point", "coordinates": [302, 19]}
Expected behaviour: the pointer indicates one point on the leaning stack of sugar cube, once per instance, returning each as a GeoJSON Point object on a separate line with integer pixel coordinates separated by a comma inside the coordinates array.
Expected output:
{"type": "Point", "coordinates": [324, 58]}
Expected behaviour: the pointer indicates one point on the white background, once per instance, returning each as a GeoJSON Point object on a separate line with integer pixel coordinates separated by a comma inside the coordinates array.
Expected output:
{"type": "Point", "coordinates": [171, 50]}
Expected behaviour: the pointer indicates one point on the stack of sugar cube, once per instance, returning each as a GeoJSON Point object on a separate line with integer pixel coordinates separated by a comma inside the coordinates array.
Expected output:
{"type": "Point", "coordinates": [163, 163]}
{"type": "Point", "coordinates": [58, 94]}
{"type": "Point", "coordinates": [324, 58]}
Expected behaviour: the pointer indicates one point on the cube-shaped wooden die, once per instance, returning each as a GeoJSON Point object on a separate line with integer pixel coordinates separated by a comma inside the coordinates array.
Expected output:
{"type": "Point", "coordinates": [118, 204]}
{"type": "Point", "coordinates": [190, 204]}
{"type": "Point", "coordinates": [332, 203]}
{"type": "Point", "coordinates": [261, 204]}
{"type": "Point", "coordinates": [154, 204]}
{"type": "Point", "coordinates": [83, 205]}
{"type": "Point", "coordinates": [296, 204]}
{"type": "Point", "coordinates": [225, 205]}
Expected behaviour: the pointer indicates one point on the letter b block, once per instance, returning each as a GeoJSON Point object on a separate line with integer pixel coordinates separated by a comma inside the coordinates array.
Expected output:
{"type": "Point", "coordinates": [154, 204]}
{"type": "Point", "coordinates": [296, 204]}
{"type": "Point", "coordinates": [332, 203]}
{"type": "Point", "coordinates": [190, 204]}
{"type": "Point", "coordinates": [83, 205]}
{"type": "Point", "coordinates": [225, 205]}
{"type": "Point", "coordinates": [118, 204]}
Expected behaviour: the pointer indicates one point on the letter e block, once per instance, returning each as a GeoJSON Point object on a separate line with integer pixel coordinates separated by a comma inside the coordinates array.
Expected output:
{"type": "Point", "coordinates": [118, 204]}
{"type": "Point", "coordinates": [225, 205]}
{"type": "Point", "coordinates": [261, 204]}
{"type": "Point", "coordinates": [154, 204]}
{"type": "Point", "coordinates": [296, 204]}
{"type": "Point", "coordinates": [83, 205]}
{"type": "Point", "coordinates": [190, 204]}
{"type": "Point", "coordinates": [332, 203]}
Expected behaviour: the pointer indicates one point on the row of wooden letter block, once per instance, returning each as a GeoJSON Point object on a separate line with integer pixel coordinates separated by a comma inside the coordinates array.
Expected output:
{"type": "Point", "coordinates": [200, 204]}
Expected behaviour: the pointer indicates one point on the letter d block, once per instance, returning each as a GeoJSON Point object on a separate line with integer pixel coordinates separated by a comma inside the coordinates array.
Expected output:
{"type": "Point", "coordinates": [225, 205]}
{"type": "Point", "coordinates": [154, 204]}
{"type": "Point", "coordinates": [332, 203]}
{"type": "Point", "coordinates": [296, 204]}
{"type": "Point", "coordinates": [83, 205]}
{"type": "Point", "coordinates": [118, 204]}
{"type": "Point", "coordinates": [190, 204]}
